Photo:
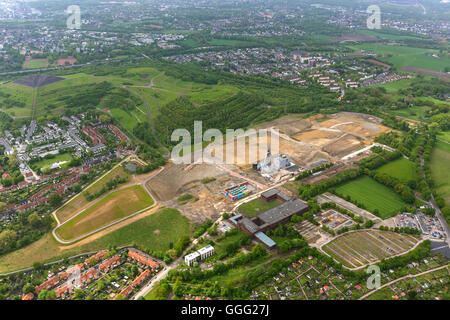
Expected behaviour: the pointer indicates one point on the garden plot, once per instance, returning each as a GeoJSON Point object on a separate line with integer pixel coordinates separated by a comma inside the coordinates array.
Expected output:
{"type": "Point", "coordinates": [355, 249]}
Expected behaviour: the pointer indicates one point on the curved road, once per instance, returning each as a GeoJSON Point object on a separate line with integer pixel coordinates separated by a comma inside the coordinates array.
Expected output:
{"type": "Point", "coordinates": [143, 184]}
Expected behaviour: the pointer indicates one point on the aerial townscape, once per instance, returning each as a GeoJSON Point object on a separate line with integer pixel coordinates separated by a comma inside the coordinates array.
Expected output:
{"type": "Point", "coordinates": [347, 179]}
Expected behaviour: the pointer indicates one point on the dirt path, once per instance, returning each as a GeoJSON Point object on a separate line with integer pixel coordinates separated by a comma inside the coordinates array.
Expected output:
{"type": "Point", "coordinates": [114, 223]}
{"type": "Point", "coordinates": [150, 120]}
{"type": "Point", "coordinates": [402, 278]}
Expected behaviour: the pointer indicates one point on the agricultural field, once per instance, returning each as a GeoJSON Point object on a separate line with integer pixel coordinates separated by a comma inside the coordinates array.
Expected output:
{"type": "Point", "coordinates": [117, 205]}
{"type": "Point", "coordinates": [440, 168]}
{"type": "Point", "coordinates": [402, 169]}
{"type": "Point", "coordinates": [373, 195]}
{"type": "Point", "coordinates": [356, 249]}
{"type": "Point", "coordinates": [256, 206]}
{"type": "Point", "coordinates": [402, 56]}
{"type": "Point", "coordinates": [154, 232]}
{"type": "Point", "coordinates": [79, 201]}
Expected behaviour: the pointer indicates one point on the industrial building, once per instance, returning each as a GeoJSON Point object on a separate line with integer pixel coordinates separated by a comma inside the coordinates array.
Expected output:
{"type": "Point", "coordinates": [271, 218]}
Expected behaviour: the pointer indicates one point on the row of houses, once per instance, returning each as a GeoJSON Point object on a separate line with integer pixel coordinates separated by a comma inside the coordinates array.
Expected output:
{"type": "Point", "coordinates": [96, 137]}
{"type": "Point", "coordinates": [143, 260]}
{"type": "Point", "coordinates": [43, 196]}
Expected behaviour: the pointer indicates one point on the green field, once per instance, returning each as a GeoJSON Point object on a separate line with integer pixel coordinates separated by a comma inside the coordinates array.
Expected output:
{"type": "Point", "coordinates": [155, 232]}
{"type": "Point", "coordinates": [402, 169]}
{"type": "Point", "coordinates": [401, 56]}
{"type": "Point", "coordinates": [127, 119]}
{"type": "Point", "coordinates": [389, 36]}
{"type": "Point", "coordinates": [444, 136]}
{"type": "Point", "coordinates": [415, 112]}
{"type": "Point", "coordinates": [256, 206]}
{"type": "Point", "coordinates": [113, 207]}
{"type": "Point", "coordinates": [440, 168]}
{"type": "Point", "coordinates": [373, 195]}
{"type": "Point", "coordinates": [79, 201]}
{"type": "Point", "coordinates": [37, 63]}
{"type": "Point", "coordinates": [46, 163]}
{"type": "Point", "coordinates": [17, 93]}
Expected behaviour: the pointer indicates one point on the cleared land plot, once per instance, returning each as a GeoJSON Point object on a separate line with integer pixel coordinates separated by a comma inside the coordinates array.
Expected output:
{"type": "Point", "coordinates": [402, 169]}
{"type": "Point", "coordinates": [355, 249]}
{"type": "Point", "coordinates": [79, 201]}
{"type": "Point", "coordinates": [154, 232]}
{"type": "Point", "coordinates": [256, 206]}
{"type": "Point", "coordinates": [113, 207]}
{"type": "Point", "coordinates": [440, 169]}
{"type": "Point", "coordinates": [373, 195]}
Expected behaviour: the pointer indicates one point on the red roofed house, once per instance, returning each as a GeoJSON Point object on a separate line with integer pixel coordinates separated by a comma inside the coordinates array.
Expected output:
{"type": "Point", "coordinates": [28, 296]}
{"type": "Point", "coordinates": [50, 283]}
{"type": "Point", "coordinates": [63, 291]}
{"type": "Point", "coordinates": [140, 278]}
{"type": "Point", "coordinates": [126, 291]}
{"type": "Point", "coordinates": [136, 256]}
{"type": "Point", "coordinates": [97, 256]}
{"type": "Point", "coordinates": [109, 264]}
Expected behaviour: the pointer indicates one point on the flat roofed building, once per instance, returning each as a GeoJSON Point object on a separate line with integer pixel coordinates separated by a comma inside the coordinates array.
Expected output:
{"type": "Point", "coordinates": [206, 252]}
{"type": "Point", "coordinates": [271, 218]}
{"type": "Point", "coordinates": [265, 240]}
{"type": "Point", "coordinates": [191, 258]}
{"type": "Point", "coordinates": [199, 255]}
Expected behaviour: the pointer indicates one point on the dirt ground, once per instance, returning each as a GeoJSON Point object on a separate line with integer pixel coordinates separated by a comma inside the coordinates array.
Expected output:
{"type": "Point", "coordinates": [327, 137]}
{"type": "Point", "coordinates": [177, 180]}
{"type": "Point", "coordinates": [304, 141]}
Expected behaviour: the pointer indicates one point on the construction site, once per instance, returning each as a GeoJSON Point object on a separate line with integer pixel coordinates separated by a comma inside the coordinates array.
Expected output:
{"type": "Point", "coordinates": [303, 144]}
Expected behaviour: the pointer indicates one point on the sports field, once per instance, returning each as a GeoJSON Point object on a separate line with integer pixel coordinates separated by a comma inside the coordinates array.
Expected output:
{"type": "Point", "coordinates": [355, 249]}
{"type": "Point", "coordinates": [113, 207]}
{"type": "Point", "coordinates": [373, 195]}
{"type": "Point", "coordinates": [36, 63]}
{"type": "Point", "coordinates": [440, 169]}
{"type": "Point", "coordinates": [256, 206]}
{"type": "Point", "coordinates": [79, 201]}
{"type": "Point", "coordinates": [154, 232]}
{"type": "Point", "coordinates": [402, 169]}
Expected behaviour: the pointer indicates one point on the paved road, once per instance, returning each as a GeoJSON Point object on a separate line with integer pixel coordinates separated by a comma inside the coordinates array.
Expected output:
{"type": "Point", "coordinates": [79, 194]}
{"type": "Point", "coordinates": [161, 275]}
{"type": "Point", "coordinates": [439, 214]}
{"type": "Point", "coordinates": [442, 220]}
{"type": "Point", "coordinates": [143, 184]}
